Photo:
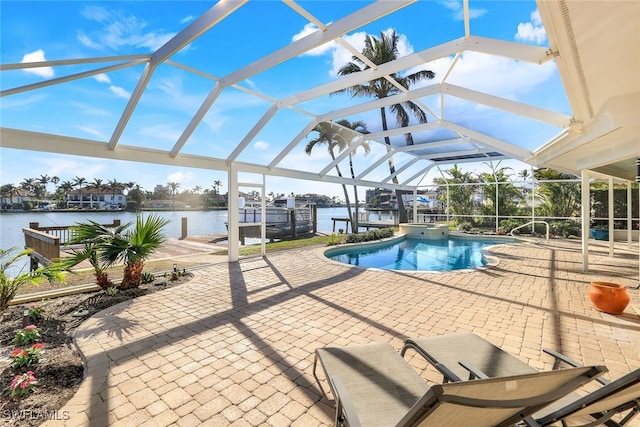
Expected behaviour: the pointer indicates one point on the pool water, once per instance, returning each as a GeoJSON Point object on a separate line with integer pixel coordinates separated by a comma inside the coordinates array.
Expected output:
{"type": "Point", "coordinates": [418, 254]}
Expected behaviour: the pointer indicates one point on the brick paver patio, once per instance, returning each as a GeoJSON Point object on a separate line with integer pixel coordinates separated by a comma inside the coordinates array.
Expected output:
{"type": "Point", "coordinates": [235, 345]}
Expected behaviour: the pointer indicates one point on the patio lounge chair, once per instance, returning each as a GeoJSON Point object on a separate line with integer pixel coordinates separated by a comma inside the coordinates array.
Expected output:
{"type": "Point", "coordinates": [467, 356]}
{"type": "Point", "coordinates": [445, 352]}
{"type": "Point", "coordinates": [373, 385]}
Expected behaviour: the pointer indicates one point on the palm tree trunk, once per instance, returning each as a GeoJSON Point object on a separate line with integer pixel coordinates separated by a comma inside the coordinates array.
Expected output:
{"type": "Point", "coordinates": [346, 193]}
{"type": "Point", "coordinates": [402, 212]}
{"type": "Point", "coordinates": [132, 275]}
{"type": "Point", "coordinates": [355, 196]}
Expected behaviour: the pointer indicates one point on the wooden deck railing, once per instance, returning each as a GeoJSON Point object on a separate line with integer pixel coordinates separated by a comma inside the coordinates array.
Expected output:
{"type": "Point", "coordinates": [46, 241]}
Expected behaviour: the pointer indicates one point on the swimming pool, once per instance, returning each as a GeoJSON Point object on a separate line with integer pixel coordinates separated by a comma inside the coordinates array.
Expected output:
{"type": "Point", "coordinates": [414, 254]}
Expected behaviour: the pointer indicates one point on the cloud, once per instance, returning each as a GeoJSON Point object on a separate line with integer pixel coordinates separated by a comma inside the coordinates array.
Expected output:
{"type": "Point", "coordinates": [178, 177]}
{"type": "Point", "coordinates": [116, 90]}
{"type": "Point", "coordinates": [509, 77]}
{"type": "Point", "coordinates": [120, 30]}
{"type": "Point", "coordinates": [340, 56]}
{"type": "Point", "coordinates": [37, 56]}
{"type": "Point", "coordinates": [102, 78]}
{"type": "Point", "coordinates": [261, 145]}
{"type": "Point", "coordinates": [458, 11]}
{"type": "Point", "coordinates": [119, 92]}
{"type": "Point", "coordinates": [186, 19]}
{"type": "Point", "coordinates": [100, 136]}
{"type": "Point", "coordinates": [320, 50]}
{"type": "Point", "coordinates": [86, 41]}
{"type": "Point", "coordinates": [532, 31]}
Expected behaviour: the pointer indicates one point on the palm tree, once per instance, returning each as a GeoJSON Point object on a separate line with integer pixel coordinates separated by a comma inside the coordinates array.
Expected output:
{"type": "Point", "coordinates": [216, 186]}
{"type": "Point", "coordinates": [379, 51]}
{"type": "Point", "coordinates": [78, 181]}
{"type": "Point", "coordinates": [558, 199]}
{"type": "Point", "coordinates": [114, 186]}
{"type": "Point", "coordinates": [500, 190]}
{"type": "Point", "coordinates": [44, 180]}
{"type": "Point", "coordinates": [361, 127]}
{"type": "Point", "coordinates": [173, 188]}
{"type": "Point", "coordinates": [63, 189]}
{"type": "Point", "coordinates": [460, 196]}
{"type": "Point", "coordinates": [333, 136]}
{"type": "Point", "coordinates": [9, 190]}
{"type": "Point", "coordinates": [112, 245]}
{"type": "Point", "coordinates": [96, 185]}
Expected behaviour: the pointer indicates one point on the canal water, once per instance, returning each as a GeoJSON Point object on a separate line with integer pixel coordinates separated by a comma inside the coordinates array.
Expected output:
{"type": "Point", "coordinates": [199, 223]}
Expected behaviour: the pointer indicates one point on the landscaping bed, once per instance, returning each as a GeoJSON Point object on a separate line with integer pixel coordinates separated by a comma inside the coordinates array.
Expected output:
{"type": "Point", "coordinates": [60, 371]}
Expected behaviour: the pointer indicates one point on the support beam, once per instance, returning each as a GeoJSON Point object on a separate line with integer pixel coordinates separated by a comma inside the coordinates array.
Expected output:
{"type": "Point", "coordinates": [611, 215]}
{"type": "Point", "coordinates": [234, 215]}
{"type": "Point", "coordinates": [586, 219]}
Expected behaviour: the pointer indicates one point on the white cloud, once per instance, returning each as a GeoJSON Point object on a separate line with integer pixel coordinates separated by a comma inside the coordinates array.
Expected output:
{"type": "Point", "coordinates": [320, 50]}
{"type": "Point", "coordinates": [532, 31]}
{"type": "Point", "coordinates": [86, 41]}
{"type": "Point", "coordinates": [102, 78]}
{"type": "Point", "coordinates": [121, 30]}
{"type": "Point", "coordinates": [164, 131]}
{"type": "Point", "coordinates": [100, 136]}
{"type": "Point", "coordinates": [186, 19]}
{"type": "Point", "coordinates": [119, 92]}
{"type": "Point", "coordinates": [181, 177]}
{"type": "Point", "coordinates": [261, 145]}
{"type": "Point", "coordinates": [458, 11]}
{"type": "Point", "coordinates": [37, 56]}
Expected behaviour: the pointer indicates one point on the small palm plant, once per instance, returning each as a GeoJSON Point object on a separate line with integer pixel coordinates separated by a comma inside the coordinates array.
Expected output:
{"type": "Point", "coordinates": [105, 246]}
{"type": "Point", "coordinates": [134, 247]}
{"type": "Point", "coordinates": [9, 285]}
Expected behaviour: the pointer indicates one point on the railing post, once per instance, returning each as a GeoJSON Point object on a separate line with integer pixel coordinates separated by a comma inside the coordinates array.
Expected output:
{"type": "Point", "coordinates": [184, 228]}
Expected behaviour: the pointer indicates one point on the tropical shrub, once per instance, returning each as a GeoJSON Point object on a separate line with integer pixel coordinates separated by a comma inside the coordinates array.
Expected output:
{"type": "Point", "coordinates": [370, 235]}
{"type": "Point", "coordinates": [9, 285]}
{"type": "Point", "coordinates": [506, 225]}
{"type": "Point", "coordinates": [105, 246]}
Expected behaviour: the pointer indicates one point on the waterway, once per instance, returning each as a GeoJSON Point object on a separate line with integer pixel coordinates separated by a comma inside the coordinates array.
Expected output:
{"type": "Point", "coordinates": [199, 223]}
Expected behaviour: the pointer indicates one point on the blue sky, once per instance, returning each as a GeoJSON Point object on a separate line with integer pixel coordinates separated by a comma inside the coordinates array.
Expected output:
{"type": "Point", "coordinates": [90, 108]}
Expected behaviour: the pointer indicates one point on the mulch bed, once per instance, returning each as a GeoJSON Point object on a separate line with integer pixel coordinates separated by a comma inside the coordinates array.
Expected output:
{"type": "Point", "coordinates": [61, 369]}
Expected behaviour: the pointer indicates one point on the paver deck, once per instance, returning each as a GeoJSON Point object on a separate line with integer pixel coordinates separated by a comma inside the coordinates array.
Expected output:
{"type": "Point", "coordinates": [235, 345]}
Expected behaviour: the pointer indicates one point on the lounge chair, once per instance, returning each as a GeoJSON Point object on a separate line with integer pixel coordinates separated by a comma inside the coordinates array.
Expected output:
{"type": "Point", "coordinates": [372, 385]}
{"type": "Point", "coordinates": [467, 356]}
{"type": "Point", "coordinates": [445, 352]}
{"type": "Point", "coordinates": [613, 398]}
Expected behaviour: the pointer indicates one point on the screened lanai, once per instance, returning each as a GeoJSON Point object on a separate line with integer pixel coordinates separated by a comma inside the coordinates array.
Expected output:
{"type": "Point", "coordinates": [254, 119]}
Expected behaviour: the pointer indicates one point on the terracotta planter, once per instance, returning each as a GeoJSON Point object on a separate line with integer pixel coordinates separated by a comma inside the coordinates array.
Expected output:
{"type": "Point", "coordinates": [608, 297]}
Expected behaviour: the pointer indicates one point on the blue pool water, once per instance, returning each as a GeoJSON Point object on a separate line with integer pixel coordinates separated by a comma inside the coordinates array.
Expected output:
{"type": "Point", "coordinates": [418, 254]}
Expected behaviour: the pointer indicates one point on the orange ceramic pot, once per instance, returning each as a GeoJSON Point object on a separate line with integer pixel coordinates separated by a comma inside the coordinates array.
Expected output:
{"type": "Point", "coordinates": [608, 297]}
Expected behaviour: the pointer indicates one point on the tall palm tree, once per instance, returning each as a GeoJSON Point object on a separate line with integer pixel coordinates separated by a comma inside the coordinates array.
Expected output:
{"type": "Point", "coordinates": [173, 188]}
{"type": "Point", "coordinates": [78, 182]}
{"type": "Point", "coordinates": [361, 127]}
{"type": "Point", "coordinates": [62, 190]}
{"type": "Point", "coordinates": [98, 185]}
{"type": "Point", "coordinates": [44, 180]}
{"type": "Point", "coordinates": [334, 138]}
{"type": "Point", "coordinates": [114, 186]}
{"type": "Point", "coordinates": [379, 51]}
{"type": "Point", "coordinates": [216, 186]}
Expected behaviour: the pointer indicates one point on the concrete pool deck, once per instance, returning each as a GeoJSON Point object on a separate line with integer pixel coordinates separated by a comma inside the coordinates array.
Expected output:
{"type": "Point", "coordinates": [235, 345]}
